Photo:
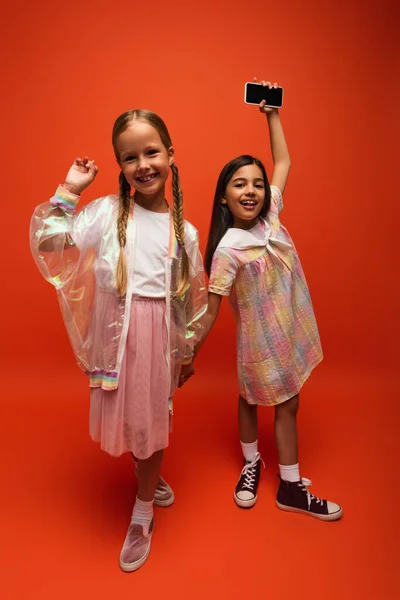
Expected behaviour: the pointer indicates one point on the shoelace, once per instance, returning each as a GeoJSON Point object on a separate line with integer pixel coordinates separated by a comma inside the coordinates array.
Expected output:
{"type": "Point", "coordinates": [249, 471]}
{"type": "Point", "coordinates": [304, 485]}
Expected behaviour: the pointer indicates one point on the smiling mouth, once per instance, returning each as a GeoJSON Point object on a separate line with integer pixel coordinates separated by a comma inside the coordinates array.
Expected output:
{"type": "Point", "coordinates": [248, 203]}
{"type": "Point", "coordinates": [147, 179]}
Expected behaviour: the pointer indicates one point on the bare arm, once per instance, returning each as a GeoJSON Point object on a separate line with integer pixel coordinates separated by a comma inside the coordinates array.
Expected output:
{"type": "Point", "coordinates": [279, 149]}
{"type": "Point", "coordinates": [214, 304]}
{"type": "Point", "coordinates": [280, 152]}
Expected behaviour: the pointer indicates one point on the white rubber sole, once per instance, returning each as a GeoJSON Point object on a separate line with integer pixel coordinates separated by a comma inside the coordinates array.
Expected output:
{"type": "Point", "coordinates": [164, 503]}
{"type": "Point", "coordinates": [245, 503]}
{"type": "Point", "coordinates": [130, 567]}
{"type": "Point", "coordinates": [332, 517]}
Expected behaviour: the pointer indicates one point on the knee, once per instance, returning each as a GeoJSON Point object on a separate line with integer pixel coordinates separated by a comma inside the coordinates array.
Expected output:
{"type": "Point", "coordinates": [244, 405]}
{"type": "Point", "coordinates": [290, 407]}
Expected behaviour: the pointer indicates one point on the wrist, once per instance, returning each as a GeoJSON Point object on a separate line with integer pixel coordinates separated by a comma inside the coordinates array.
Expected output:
{"type": "Point", "coordinates": [65, 200]}
{"type": "Point", "coordinates": [274, 114]}
{"type": "Point", "coordinates": [72, 189]}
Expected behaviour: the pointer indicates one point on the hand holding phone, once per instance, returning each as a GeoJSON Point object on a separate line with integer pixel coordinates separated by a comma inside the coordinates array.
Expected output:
{"type": "Point", "coordinates": [255, 93]}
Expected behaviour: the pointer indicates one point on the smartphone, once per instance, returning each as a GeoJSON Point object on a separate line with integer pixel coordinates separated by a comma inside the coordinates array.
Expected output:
{"type": "Point", "coordinates": [255, 92]}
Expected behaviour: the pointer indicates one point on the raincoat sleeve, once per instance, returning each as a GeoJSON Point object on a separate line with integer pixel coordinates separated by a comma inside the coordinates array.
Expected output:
{"type": "Point", "coordinates": [196, 306]}
{"type": "Point", "coordinates": [59, 236]}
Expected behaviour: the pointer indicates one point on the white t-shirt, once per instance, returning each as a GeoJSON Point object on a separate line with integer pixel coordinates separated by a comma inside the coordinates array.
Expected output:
{"type": "Point", "coordinates": [151, 251]}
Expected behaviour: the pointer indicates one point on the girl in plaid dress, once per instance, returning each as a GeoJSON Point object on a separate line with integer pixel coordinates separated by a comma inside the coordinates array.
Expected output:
{"type": "Point", "coordinates": [251, 258]}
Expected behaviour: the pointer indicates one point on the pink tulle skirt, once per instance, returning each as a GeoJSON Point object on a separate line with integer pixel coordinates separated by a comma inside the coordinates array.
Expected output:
{"type": "Point", "coordinates": [135, 416]}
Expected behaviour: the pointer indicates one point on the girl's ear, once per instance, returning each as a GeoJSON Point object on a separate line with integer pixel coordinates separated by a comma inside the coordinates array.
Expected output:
{"type": "Point", "coordinates": [171, 155]}
{"type": "Point", "coordinates": [223, 200]}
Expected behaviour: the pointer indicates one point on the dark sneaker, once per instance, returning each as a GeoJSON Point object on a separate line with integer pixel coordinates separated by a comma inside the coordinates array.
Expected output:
{"type": "Point", "coordinates": [295, 497]}
{"type": "Point", "coordinates": [246, 489]}
{"type": "Point", "coordinates": [136, 548]}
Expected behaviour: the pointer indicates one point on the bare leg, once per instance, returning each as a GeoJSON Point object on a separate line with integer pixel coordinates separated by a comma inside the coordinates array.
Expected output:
{"type": "Point", "coordinates": [148, 474]}
{"type": "Point", "coordinates": [248, 421]}
{"type": "Point", "coordinates": [286, 431]}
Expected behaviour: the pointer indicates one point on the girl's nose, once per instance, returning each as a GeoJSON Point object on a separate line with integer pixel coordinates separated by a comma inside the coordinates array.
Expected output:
{"type": "Point", "coordinates": [142, 163]}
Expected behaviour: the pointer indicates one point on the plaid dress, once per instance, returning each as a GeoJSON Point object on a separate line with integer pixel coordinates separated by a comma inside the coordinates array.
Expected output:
{"type": "Point", "coordinates": [278, 343]}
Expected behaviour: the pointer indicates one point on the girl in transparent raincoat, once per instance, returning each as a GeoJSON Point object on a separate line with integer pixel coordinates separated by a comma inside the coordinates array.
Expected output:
{"type": "Point", "coordinates": [130, 283]}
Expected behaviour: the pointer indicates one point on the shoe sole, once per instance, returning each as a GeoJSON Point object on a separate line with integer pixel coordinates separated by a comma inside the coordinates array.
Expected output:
{"type": "Point", "coordinates": [165, 503]}
{"type": "Point", "coordinates": [332, 517]}
{"type": "Point", "coordinates": [244, 503]}
{"type": "Point", "coordinates": [130, 567]}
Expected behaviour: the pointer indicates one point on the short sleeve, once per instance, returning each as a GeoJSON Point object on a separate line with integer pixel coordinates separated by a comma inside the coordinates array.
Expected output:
{"type": "Point", "coordinates": [224, 269]}
{"type": "Point", "coordinates": [276, 200]}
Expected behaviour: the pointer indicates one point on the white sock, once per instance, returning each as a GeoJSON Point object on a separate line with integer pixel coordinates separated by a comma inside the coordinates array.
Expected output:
{"type": "Point", "coordinates": [249, 450]}
{"type": "Point", "coordinates": [143, 514]}
{"type": "Point", "coordinates": [290, 472]}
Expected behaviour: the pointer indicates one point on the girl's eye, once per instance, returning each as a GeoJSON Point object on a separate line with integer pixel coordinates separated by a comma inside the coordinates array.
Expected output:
{"type": "Point", "coordinates": [128, 158]}
{"type": "Point", "coordinates": [239, 185]}
{"type": "Point", "coordinates": [152, 152]}
{"type": "Point", "coordinates": [260, 185]}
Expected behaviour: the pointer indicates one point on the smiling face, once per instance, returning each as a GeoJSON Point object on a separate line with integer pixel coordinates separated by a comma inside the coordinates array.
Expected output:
{"type": "Point", "coordinates": [143, 158]}
{"type": "Point", "coordinates": [245, 195]}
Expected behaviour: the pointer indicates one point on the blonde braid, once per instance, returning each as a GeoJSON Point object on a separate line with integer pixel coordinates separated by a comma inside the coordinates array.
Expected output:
{"type": "Point", "coordinates": [179, 227]}
{"type": "Point", "coordinates": [123, 214]}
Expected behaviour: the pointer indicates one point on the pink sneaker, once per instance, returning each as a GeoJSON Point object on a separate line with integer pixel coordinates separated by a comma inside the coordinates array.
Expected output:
{"type": "Point", "coordinates": [164, 495]}
{"type": "Point", "coordinates": [136, 548]}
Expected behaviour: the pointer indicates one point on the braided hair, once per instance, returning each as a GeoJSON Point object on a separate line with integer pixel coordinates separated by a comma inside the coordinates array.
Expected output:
{"type": "Point", "coordinates": [179, 228]}
{"type": "Point", "coordinates": [123, 214]}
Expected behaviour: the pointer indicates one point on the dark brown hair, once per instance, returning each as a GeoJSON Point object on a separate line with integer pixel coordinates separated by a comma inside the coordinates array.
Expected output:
{"type": "Point", "coordinates": [222, 218]}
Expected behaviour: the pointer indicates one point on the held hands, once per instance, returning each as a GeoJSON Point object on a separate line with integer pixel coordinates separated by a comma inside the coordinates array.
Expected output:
{"type": "Point", "coordinates": [80, 175]}
{"type": "Point", "coordinates": [266, 109]}
{"type": "Point", "coordinates": [186, 372]}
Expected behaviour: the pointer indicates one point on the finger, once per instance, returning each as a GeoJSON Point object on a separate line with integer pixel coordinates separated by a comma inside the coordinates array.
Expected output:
{"type": "Point", "coordinates": [269, 84]}
{"type": "Point", "coordinates": [255, 79]}
{"type": "Point", "coordinates": [275, 85]}
{"type": "Point", "coordinates": [262, 82]}
{"type": "Point", "coordinates": [262, 104]}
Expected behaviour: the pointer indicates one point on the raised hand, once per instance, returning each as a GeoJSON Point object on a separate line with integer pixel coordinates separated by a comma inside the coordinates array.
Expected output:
{"type": "Point", "coordinates": [266, 109]}
{"type": "Point", "coordinates": [80, 175]}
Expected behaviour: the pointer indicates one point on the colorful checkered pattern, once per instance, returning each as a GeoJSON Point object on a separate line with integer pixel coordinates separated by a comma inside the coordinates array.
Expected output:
{"type": "Point", "coordinates": [278, 340]}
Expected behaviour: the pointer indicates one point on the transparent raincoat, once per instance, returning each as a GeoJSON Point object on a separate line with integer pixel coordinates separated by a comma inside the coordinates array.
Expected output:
{"type": "Point", "coordinates": [78, 254]}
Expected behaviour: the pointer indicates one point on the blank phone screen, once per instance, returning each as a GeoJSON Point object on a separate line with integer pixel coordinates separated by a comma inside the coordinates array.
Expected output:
{"type": "Point", "coordinates": [255, 93]}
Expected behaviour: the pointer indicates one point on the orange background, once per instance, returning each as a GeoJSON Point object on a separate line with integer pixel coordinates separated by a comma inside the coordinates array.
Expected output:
{"type": "Point", "coordinates": [68, 71]}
